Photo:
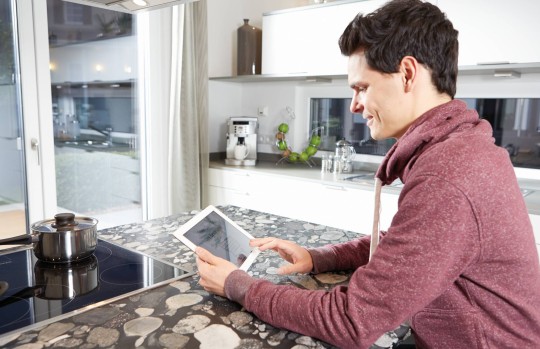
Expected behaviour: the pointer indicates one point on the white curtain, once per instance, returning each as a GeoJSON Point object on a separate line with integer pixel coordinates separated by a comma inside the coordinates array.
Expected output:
{"type": "Point", "coordinates": [176, 108]}
{"type": "Point", "coordinates": [188, 112]}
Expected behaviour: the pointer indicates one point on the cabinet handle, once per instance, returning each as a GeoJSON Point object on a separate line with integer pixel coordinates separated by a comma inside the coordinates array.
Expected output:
{"type": "Point", "coordinates": [241, 193]}
{"type": "Point", "coordinates": [238, 173]}
{"type": "Point", "coordinates": [335, 187]}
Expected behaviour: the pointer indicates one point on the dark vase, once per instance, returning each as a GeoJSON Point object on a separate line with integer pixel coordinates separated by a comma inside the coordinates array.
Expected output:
{"type": "Point", "coordinates": [249, 49]}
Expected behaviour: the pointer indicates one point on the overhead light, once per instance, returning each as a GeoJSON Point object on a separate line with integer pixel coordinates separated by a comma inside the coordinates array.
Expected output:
{"type": "Point", "coordinates": [131, 6]}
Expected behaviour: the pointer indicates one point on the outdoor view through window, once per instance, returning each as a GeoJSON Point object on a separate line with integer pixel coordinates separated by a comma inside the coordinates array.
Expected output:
{"type": "Point", "coordinates": [93, 73]}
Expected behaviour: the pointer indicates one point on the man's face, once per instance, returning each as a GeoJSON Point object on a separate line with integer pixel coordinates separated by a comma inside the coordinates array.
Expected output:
{"type": "Point", "coordinates": [380, 98]}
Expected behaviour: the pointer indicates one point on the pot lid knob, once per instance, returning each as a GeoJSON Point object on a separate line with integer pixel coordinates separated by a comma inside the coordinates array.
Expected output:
{"type": "Point", "coordinates": [64, 220]}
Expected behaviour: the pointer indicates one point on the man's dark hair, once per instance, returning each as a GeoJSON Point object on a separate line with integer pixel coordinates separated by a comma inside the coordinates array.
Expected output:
{"type": "Point", "coordinates": [406, 28]}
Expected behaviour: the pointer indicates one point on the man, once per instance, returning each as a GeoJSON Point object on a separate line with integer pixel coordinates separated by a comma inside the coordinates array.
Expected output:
{"type": "Point", "coordinates": [459, 260]}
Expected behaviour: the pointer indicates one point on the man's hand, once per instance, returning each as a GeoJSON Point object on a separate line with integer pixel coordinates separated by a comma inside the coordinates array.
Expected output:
{"type": "Point", "coordinates": [298, 256]}
{"type": "Point", "coordinates": [213, 271]}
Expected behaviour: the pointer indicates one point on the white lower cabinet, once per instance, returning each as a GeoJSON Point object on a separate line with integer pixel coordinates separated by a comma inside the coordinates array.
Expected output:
{"type": "Point", "coordinates": [333, 205]}
{"type": "Point", "coordinates": [535, 221]}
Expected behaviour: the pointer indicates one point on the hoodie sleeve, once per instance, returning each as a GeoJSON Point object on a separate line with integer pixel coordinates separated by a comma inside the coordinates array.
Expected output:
{"type": "Point", "coordinates": [345, 256]}
{"type": "Point", "coordinates": [431, 240]}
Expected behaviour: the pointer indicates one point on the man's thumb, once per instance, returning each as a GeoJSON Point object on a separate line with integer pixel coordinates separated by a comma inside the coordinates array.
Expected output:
{"type": "Point", "coordinates": [203, 254]}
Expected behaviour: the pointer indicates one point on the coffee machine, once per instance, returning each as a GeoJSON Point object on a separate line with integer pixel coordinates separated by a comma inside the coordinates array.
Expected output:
{"type": "Point", "coordinates": [242, 141]}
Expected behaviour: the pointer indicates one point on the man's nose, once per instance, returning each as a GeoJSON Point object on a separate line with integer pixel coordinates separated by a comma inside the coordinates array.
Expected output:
{"type": "Point", "coordinates": [356, 106]}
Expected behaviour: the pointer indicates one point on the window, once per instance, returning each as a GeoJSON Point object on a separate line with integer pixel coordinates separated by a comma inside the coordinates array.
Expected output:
{"type": "Point", "coordinates": [338, 123]}
{"type": "Point", "coordinates": [516, 126]}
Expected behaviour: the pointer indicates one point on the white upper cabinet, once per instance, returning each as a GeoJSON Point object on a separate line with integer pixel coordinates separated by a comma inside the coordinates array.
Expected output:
{"type": "Point", "coordinates": [495, 31]}
{"type": "Point", "coordinates": [304, 41]}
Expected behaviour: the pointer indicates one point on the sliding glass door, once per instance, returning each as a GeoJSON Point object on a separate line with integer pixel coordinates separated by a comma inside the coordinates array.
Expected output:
{"type": "Point", "coordinates": [68, 121]}
{"type": "Point", "coordinates": [93, 72]}
{"type": "Point", "coordinates": [12, 168]}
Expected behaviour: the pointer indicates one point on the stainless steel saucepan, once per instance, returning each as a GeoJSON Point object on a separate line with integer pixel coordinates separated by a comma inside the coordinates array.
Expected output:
{"type": "Point", "coordinates": [65, 238]}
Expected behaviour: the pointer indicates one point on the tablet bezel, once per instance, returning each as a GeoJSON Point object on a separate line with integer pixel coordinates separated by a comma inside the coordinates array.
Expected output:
{"type": "Point", "coordinates": [186, 227]}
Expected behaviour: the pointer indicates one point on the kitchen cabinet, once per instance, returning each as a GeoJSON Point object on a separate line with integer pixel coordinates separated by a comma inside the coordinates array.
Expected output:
{"type": "Point", "coordinates": [302, 42]}
{"type": "Point", "coordinates": [535, 221]}
{"type": "Point", "coordinates": [322, 202]}
{"type": "Point", "coordinates": [327, 202]}
{"type": "Point", "coordinates": [305, 40]}
{"type": "Point", "coordinates": [495, 31]}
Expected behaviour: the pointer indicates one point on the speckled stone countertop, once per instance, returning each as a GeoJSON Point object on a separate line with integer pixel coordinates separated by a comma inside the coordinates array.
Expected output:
{"type": "Point", "coordinates": [181, 314]}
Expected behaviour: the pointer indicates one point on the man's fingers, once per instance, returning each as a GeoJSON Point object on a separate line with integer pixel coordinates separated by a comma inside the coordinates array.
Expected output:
{"type": "Point", "coordinates": [263, 243]}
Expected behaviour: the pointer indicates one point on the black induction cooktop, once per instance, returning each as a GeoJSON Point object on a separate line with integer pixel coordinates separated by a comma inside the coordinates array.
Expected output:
{"type": "Point", "coordinates": [32, 291]}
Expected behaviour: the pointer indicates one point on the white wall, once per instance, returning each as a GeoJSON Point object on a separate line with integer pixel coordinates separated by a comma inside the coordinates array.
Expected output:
{"type": "Point", "coordinates": [224, 18]}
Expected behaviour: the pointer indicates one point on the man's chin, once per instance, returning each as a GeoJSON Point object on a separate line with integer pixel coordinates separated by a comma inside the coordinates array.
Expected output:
{"type": "Point", "coordinates": [376, 136]}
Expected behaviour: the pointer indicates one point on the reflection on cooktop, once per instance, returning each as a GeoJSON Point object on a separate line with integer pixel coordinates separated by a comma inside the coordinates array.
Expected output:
{"type": "Point", "coordinates": [34, 291]}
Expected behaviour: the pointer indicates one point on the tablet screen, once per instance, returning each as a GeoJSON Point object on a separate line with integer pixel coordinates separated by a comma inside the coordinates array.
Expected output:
{"type": "Point", "coordinates": [221, 238]}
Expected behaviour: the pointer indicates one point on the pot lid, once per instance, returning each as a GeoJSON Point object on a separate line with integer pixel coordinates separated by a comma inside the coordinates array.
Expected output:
{"type": "Point", "coordinates": [64, 222]}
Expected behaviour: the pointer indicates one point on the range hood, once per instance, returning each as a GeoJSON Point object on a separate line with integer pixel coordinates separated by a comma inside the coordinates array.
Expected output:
{"type": "Point", "coordinates": [131, 6]}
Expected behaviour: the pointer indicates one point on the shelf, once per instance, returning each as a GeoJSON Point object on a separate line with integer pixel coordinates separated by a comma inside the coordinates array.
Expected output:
{"type": "Point", "coordinates": [500, 68]}
{"type": "Point", "coordinates": [287, 77]}
{"type": "Point", "coordinates": [481, 69]}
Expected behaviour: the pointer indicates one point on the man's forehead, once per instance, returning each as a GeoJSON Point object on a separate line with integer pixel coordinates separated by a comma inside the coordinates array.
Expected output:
{"type": "Point", "coordinates": [357, 66]}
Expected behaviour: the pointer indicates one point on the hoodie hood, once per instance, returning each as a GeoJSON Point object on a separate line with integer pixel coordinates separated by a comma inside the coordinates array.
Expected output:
{"type": "Point", "coordinates": [429, 129]}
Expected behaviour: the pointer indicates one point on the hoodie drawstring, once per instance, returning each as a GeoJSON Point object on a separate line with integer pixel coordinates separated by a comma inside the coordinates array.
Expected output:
{"type": "Point", "coordinates": [376, 218]}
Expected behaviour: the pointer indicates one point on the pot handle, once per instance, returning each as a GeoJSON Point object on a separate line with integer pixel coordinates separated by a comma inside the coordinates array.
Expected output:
{"type": "Point", "coordinates": [25, 239]}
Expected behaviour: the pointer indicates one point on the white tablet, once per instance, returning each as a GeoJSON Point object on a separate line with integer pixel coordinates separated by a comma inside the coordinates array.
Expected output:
{"type": "Point", "coordinates": [217, 233]}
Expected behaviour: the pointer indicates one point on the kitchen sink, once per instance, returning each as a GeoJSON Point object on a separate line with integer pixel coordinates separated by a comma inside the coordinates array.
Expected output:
{"type": "Point", "coordinates": [361, 178]}
{"type": "Point", "coordinates": [367, 178]}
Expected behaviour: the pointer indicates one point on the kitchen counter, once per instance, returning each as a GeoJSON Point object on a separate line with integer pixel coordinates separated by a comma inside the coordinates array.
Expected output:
{"type": "Point", "coordinates": [361, 177]}
{"type": "Point", "coordinates": [181, 314]}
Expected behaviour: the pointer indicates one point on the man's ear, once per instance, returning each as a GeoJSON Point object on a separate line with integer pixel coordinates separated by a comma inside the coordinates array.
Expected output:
{"type": "Point", "coordinates": [409, 69]}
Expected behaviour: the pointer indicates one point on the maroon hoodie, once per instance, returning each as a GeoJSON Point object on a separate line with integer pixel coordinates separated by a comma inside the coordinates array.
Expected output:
{"type": "Point", "coordinates": [458, 262]}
